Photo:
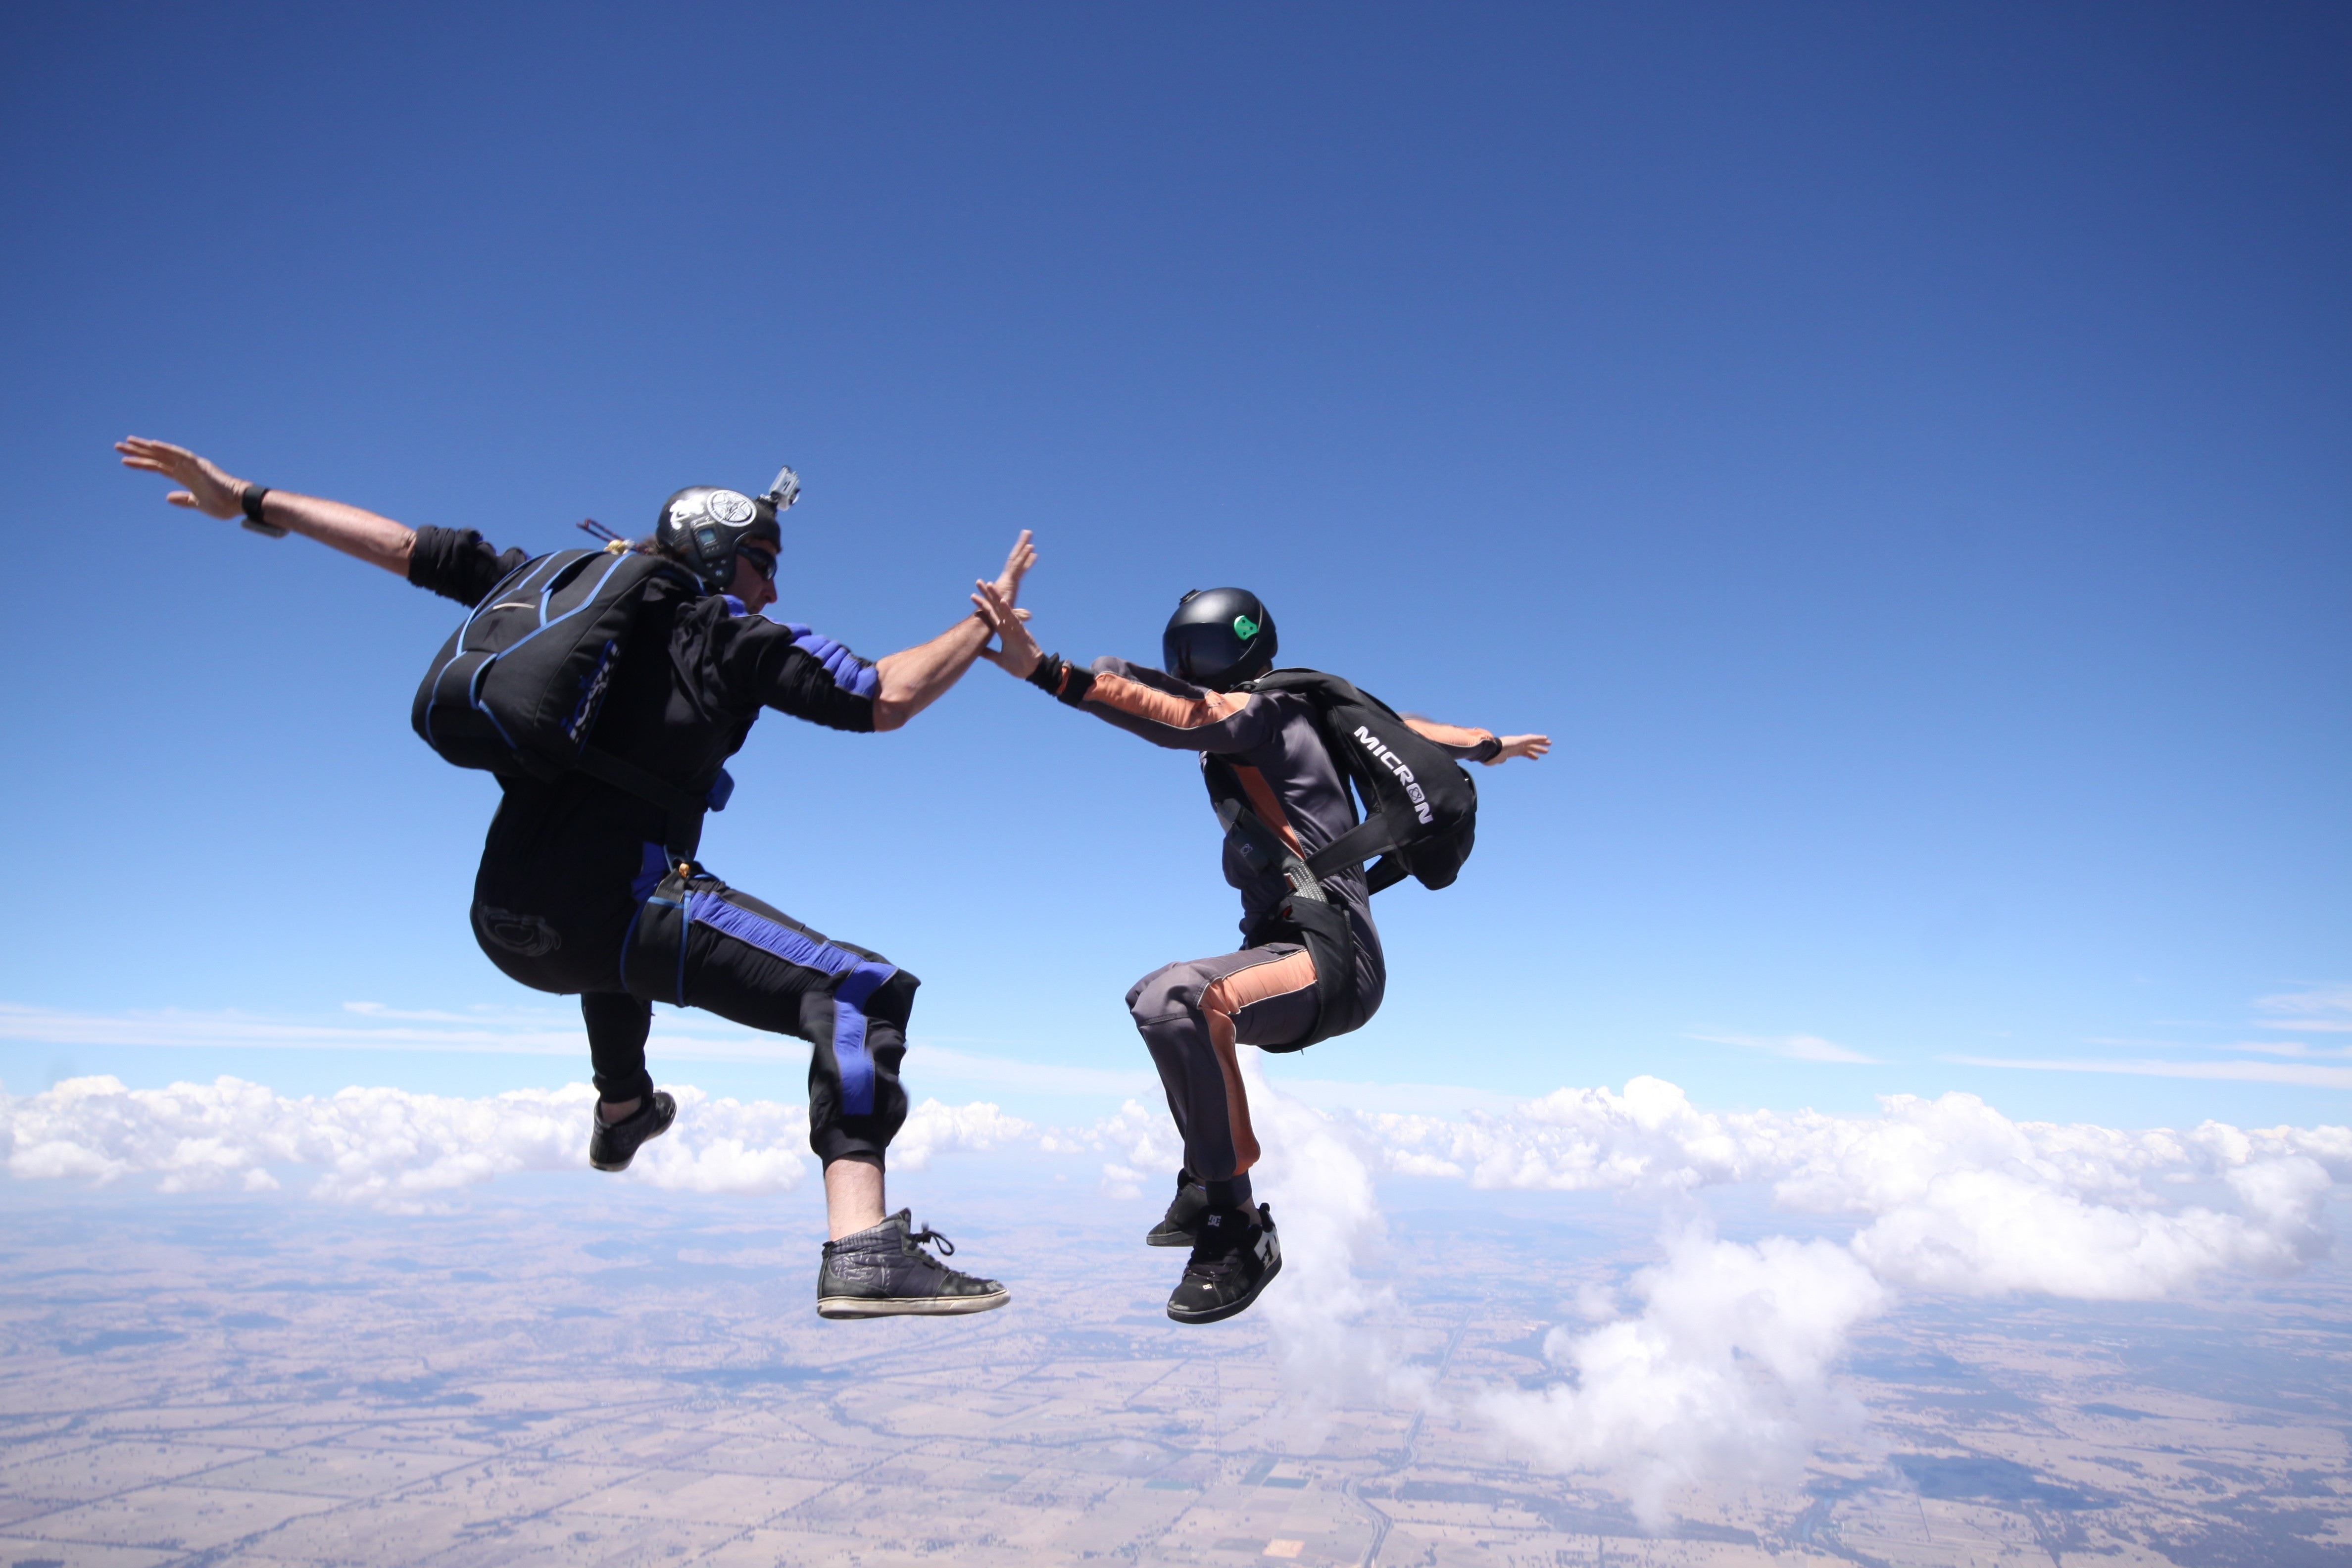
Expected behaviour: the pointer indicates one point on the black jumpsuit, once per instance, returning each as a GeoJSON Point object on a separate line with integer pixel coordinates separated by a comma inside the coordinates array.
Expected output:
{"type": "Point", "coordinates": [568, 867]}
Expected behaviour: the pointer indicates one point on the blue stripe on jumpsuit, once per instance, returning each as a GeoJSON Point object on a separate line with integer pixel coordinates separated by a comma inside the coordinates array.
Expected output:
{"type": "Point", "coordinates": [859, 979]}
{"type": "Point", "coordinates": [849, 672]}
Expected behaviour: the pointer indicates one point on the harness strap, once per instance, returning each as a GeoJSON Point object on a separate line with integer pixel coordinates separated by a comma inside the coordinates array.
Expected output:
{"type": "Point", "coordinates": [1367, 840]}
{"type": "Point", "coordinates": [1265, 850]}
{"type": "Point", "coordinates": [1307, 916]}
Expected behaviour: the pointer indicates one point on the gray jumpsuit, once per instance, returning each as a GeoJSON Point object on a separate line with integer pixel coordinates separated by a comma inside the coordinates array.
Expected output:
{"type": "Point", "coordinates": [1192, 1014]}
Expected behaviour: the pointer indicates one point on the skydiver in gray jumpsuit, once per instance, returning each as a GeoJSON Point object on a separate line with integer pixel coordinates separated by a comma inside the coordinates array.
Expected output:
{"type": "Point", "coordinates": [1193, 1014]}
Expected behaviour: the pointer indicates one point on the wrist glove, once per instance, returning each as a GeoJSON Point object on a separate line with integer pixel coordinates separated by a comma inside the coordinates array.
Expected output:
{"type": "Point", "coordinates": [1058, 678]}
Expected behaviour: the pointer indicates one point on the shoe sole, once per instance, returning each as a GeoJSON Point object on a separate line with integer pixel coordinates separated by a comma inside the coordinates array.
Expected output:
{"type": "Point", "coordinates": [908, 1306]}
{"type": "Point", "coordinates": [1231, 1309]}
{"type": "Point", "coordinates": [1177, 1239]}
{"type": "Point", "coordinates": [633, 1154]}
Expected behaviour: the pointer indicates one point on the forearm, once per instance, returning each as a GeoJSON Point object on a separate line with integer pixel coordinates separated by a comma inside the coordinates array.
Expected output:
{"type": "Point", "coordinates": [1179, 717]}
{"type": "Point", "coordinates": [1461, 741]}
{"type": "Point", "coordinates": [914, 678]}
{"type": "Point", "coordinates": [354, 530]}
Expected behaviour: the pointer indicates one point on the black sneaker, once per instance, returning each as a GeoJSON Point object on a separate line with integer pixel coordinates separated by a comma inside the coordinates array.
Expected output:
{"type": "Point", "coordinates": [614, 1144]}
{"type": "Point", "coordinates": [1176, 1227]}
{"type": "Point", "coordinates": [1235, 1258]}
{"type": "Point", "coordinates": [883, 1272]}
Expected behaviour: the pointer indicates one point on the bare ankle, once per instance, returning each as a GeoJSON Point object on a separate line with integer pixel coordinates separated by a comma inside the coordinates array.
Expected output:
{"type": "Point", "coordinates": [613, 1111]}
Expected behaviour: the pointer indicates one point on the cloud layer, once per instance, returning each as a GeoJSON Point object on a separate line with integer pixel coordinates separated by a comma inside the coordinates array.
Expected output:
{"type": "Point", "coordinates": [1956, 1196]}
{"type": "Point", "coordinates": [1723, 1371]}
{"type": "Point", "coordinates": [407, 1152]}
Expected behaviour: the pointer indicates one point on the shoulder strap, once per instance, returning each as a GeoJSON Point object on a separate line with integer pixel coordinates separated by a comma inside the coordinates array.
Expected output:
{"type": "Point", "coordinates": [1369, 838]}
{"type": "Point", "coordinates": [1378, 835]}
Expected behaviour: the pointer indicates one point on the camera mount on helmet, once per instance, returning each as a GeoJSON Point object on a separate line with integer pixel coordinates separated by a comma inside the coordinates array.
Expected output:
{"type": "Point", "coordinates": [1218, 638]}
{"type": "Point", "coordinates": [706, 526]}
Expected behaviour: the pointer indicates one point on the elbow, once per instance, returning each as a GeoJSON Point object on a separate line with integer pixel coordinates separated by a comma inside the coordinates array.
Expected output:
{"type": "Point", "coordinates": [890, 715]}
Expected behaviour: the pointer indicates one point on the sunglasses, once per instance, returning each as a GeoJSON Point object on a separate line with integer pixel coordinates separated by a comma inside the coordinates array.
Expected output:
{"type": "Point", "coordinates": [761, 562]}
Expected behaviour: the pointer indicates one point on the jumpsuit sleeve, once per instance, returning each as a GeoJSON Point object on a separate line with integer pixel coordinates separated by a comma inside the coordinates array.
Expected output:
{"type": "Point", "coordinates": [799, 672]}
{"type": "Point", "coordinates": [1173, 713]}
{"type": "Point", "coordinates": [1462, 743]}
{"type": "Point", "coordinates": [457, 563]}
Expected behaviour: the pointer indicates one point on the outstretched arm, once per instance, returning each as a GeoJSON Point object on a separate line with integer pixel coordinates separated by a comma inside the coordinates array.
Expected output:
{"type": "Point", "coordinates": [209, 489]}
{"type": "Point", "coordinates": [1160, 707]}
{"type": "Point", "coordinates": [914, 678]}
{"type": "Point", "coordinates": [1478, 745]}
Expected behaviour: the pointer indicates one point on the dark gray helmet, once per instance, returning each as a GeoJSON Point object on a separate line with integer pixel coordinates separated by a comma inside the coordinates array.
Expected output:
{"type": "Point", "coordinates": [704, 526]}
{"type": "Point", "coordinates": [1218, 638]}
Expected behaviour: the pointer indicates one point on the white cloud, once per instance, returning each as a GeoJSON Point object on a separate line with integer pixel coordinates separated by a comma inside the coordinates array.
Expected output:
{"type": "Point", "coordinates": [1724, 1375]}
{"type": "Point", "coordinates": [405, 1153]}
{"type": "Point", "coordinates": [1144, 1150]}
{"type": "Point", "coordinates": [1316, 1177]}
{"type": "Point", "coordinates": [1798, 1048]}
{"type": "Point", "coordinates": [1957, 1196]}
{"type": "Point", "coordinates": [2326, 1009]}
{"type": "Point", "coordinates": [934, 1128]}
{"type": "Point", "coordinates": [2310, 1075]}
{"type": "Point", "coordinates": [2288, 1048]}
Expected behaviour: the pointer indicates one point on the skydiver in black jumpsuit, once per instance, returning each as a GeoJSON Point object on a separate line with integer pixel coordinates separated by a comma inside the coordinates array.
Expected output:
{"type": "Point", "coordinates": [577, 892]}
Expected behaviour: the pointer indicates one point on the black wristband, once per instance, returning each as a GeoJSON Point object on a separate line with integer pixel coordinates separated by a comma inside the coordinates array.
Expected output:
{"type": "Point", "coordinates": [1047, 677]}
{"type": "Point", "coordinates": [1058, 678]}
{"type": "Point", "coordinates": [249, 499]}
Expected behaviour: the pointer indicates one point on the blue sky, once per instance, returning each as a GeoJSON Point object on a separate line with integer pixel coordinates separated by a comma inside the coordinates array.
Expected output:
{"type": "Point", "coordinates": [1897, 454]}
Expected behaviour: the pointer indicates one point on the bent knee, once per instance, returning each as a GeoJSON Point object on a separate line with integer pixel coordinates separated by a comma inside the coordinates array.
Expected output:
{"type": "Point", "coordinates": [1171, 992]}
{"type": "Point", "coordinates": [893, 1001]}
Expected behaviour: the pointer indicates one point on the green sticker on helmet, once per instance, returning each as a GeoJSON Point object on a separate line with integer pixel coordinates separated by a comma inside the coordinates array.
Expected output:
{"type": "Point", "coordinates": [1247, 627]}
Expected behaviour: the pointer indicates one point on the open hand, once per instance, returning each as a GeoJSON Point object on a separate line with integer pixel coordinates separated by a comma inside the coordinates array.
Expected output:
{"type": "Point", "coordinates": [1527, 746]}
{"type": "Point", "coordinates": [1016, 566]}
{"type": "Point", "coordinates": [210, 490]}
{"type": "Point", "coordinates": [1018, 653]}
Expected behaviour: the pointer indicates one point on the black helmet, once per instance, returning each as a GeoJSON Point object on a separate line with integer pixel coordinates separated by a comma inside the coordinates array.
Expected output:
{"type": "Point", "coordinates": [704, 526]}
{"type": "Point", "coordinates": [1218, 638]}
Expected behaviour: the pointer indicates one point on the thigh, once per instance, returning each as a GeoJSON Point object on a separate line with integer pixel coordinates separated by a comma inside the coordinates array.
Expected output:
{"type": "Point", "coordinates": [1271, 1002]}
{"type": "Point", "coordinates": [751, 964]}
{"type": "Point", "coordinates": [1181, 988]}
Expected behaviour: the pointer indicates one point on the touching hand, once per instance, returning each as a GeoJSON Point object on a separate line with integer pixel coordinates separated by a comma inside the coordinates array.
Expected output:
{"type": "Point", "coordinates": [1016, 566]}
{"type": "Point", "coordinates": [210, 490]}
{"type": "Point", "coordinates": [1527, 746]}
{"type": "Point", "coordinates": [1018, 653]}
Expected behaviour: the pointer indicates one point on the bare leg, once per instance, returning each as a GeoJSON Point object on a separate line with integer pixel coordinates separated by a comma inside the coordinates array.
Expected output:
{"type": "Point", "coordinates": [853, 1197]}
